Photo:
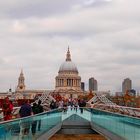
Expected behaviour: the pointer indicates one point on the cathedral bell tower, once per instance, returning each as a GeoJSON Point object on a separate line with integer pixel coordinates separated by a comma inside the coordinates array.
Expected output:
{"type": "Point", "coordinates": [21, 85]}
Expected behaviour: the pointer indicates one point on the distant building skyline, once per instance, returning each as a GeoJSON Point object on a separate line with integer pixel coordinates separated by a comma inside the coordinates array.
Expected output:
{"type": "Point", "coordinates": [126, 85]}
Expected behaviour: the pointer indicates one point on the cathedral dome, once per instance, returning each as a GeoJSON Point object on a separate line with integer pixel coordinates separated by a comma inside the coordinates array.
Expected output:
{"type": "Point", "coordinates": [68, 66]}
{"type": "Point", "coordinates": [68, 78]}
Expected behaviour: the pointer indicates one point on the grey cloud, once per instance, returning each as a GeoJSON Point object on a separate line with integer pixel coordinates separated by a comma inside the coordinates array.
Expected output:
{"type": "Point", "coordinates": [43, 8]}
{"type": "Point", "coordinates": [38, 8]}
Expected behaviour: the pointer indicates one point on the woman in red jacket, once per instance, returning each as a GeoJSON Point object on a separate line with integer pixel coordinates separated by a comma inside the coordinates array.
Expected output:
{"type": "Point", "coordinates": [7, 108]}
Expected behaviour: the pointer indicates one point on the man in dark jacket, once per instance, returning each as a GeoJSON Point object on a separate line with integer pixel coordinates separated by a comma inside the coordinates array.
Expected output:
{"type": "Point", "coordinates": [82, 104]}
{"type": "Point", "coordinates": [53, 105]}
{"type": "Point", "coordinates": [25, 110]}
{"type": "Point", "coordinates": [40, 110]}
{"type": "Point", "coordinates": [34, 123]}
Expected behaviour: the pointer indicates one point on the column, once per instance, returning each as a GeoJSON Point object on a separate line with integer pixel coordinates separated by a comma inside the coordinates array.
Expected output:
{"type": "Point", "coordinates": [72, 82]}
{"type": "Point", "coordinates": [59, 82]}
{"type": "Point", "coordinates": [56, 82]}
{"type": "Point", "coordinates": [69, 82]}
{"type": "Point", "coordinates": [62, 82]}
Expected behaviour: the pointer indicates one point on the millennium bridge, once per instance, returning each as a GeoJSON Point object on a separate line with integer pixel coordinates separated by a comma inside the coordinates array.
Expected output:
{"type": "Point", "coordinates": [102, 117]}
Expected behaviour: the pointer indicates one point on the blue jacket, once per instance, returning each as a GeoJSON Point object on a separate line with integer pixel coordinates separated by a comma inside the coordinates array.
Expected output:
{"type": "Point", "coordinates": [25, 110]}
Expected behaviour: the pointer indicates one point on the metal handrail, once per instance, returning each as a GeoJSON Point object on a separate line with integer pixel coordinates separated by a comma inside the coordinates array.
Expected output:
{"type": "Point", "coordinates": [135, 111]}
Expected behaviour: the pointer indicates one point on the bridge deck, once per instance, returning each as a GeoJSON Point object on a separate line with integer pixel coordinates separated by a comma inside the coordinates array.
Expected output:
{"type": "Point", "coordinates": [77, 137]}
{"type": "Point", "coordinates": [106, 123]}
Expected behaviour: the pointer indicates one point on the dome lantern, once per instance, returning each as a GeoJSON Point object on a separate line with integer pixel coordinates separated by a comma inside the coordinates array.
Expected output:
{"type": "Point", "coordinates": [68, 56]}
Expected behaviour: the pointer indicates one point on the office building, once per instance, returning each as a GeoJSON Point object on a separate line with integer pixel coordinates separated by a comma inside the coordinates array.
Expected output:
{"type": "Point", "coordinates": [93, 84]}
{"type": "Point", "coordinates": [126, 85]}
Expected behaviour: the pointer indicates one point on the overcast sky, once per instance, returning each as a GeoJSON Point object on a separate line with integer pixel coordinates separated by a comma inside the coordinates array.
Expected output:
{"type": "Point", "coordinates": [103, 35]}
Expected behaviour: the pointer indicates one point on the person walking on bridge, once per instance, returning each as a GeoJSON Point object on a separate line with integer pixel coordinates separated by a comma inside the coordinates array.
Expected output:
{"type": "Point", "coordinates": [25, 111]}
{"type": "Point", "coordinates": [7, 108]}
{"type": "Point", "coordinates": [40, 110]}
{"type": "Point", "coordinates": [34, 123]}
{"type": "Point", "coordinates": [82, 104]}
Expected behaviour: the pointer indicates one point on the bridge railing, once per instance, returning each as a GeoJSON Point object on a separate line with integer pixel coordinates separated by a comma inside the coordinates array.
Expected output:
{"type": "Point", "coordinates": [30, 127]}
{"type": "Point", "coordinates": [130, 111]}
{"type": "Point", "coordinates": [125, 127]}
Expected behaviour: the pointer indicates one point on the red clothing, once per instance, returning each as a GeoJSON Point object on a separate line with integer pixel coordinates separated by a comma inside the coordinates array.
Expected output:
{"type": "Point", "coordinates": [7, 110]}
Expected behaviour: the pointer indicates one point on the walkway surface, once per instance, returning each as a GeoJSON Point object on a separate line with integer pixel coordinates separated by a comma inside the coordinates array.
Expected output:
{"type": "Point", "coordinates": [86, 114]}
{"type": "Point", "coordinates": [78, 137]}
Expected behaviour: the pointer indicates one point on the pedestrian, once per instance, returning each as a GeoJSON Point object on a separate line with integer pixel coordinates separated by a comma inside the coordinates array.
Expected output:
{"type": "Point", "coordinates": [40, 110]}
{"type": "Point", "coordinates": [25, 111]}
{"type": "Point", "coordinates": [71, 104]}
{"type": "Point", "coordinates": [65, 105]}
{"type": "Point", "coordinates": [34, 122]}
{"type": "Point", "coordinates": [75, 105]}
{"type": "Point", "coordinates": [61, 104]}
{"type": "Point", "coordinates": [7, 108]}
{"type": "Point", "coordinates": [82, 104]}
{"type": "Point", "coordinates": [52, 105]}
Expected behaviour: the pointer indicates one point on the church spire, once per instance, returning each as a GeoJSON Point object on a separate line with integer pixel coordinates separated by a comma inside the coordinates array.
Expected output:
{"type": "Point", "coordinates": [68, 56]}
{"type": "Point", "coordinates": [21, 84]}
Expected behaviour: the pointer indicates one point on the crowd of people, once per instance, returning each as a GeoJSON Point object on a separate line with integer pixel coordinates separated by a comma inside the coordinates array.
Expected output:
{"type": "Point", "coordinates": [26, 109]}
{"type": "Point", "coordinates": [70, 103]}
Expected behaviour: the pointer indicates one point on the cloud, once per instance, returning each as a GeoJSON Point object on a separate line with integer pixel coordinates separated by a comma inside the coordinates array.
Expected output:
{"type": "Point", "coordinates": [18, 27]}
{"type": "Point", "coordinates": [40, 8]}
{"type": "Point", "coordinates": [103, 37]}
